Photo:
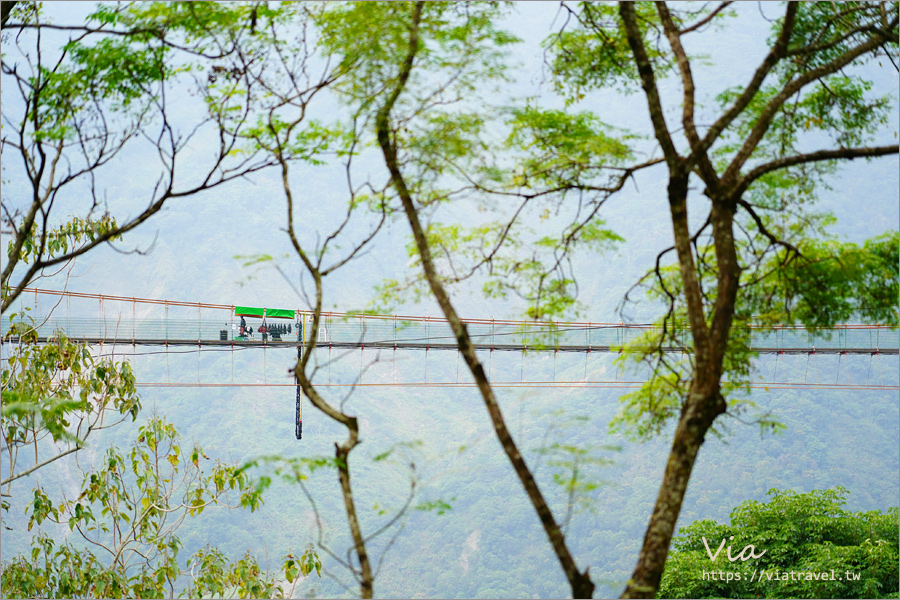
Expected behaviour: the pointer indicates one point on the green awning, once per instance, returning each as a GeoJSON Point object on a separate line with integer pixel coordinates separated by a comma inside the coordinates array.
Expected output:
{"type": "Point", "coordinates": [272, 313]}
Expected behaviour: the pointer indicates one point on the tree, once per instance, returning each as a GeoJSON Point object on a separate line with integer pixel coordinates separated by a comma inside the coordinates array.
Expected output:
{"type": "Point", "coordinates": [282, 83]}
{"type": "Point", "coordinates": [582, 587]}
{"type": "Point", "coordinates": [58, 392]}
{"type": "Point", "coordinates": [760, 256]}
{"type": "Point", "coordinates": [756, 252]}
{"type": "Point", "coordinates": [810, 535]}
{"type": "Point", "coordinates": [127, 515]}
{"type": "Point", "coordinates": [418, 128]}
{"type": "Point", "coordinates": [73, 110]}
{"type": "Point", "coordinates": [77, 100]}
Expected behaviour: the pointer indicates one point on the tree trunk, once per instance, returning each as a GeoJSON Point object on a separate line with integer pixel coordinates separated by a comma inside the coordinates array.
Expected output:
{"type": "Point", "coordinates": [704, 402]}
{"type": "Point", "coordinates": [365, 584]}
{"type": "Point", "coordinates": [696, 419]}
{"type": "Point", "coordinates": [582, 586]}
{"type": "Point", "coordinates": [341, 451]}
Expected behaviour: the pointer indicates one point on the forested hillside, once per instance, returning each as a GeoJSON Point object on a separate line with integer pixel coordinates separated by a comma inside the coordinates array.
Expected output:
{"type": "Point", "coordinates": [465, 527]}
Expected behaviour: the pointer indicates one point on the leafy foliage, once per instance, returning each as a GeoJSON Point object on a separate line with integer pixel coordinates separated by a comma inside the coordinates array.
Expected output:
{"type": "Point", "coordinates": [801, 532]}
{"type": "Point", "coordinates": [60, 240]}
{"type": "Point", "coordinates": [818, 284]}
{"type": "Point", "coordinates": [310, 562]}
{"type": "Point", "coordinates": [60, 392]}
{"type": "Point", "coordinates": [583, 61]}
{"type": "Point", "coordinates": [128, 512]}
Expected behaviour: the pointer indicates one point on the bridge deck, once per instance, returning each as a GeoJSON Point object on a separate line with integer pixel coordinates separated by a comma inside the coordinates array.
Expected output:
{"type": "Point", "coordinates": [379, 332]}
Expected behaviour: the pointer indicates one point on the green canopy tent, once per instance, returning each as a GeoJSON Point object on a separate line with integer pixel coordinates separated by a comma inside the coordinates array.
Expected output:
{"type": "Point", "coordinates": [269, 313]}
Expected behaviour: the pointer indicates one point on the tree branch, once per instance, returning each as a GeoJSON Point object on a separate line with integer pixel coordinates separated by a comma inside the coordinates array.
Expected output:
{"type": "Point", "coordinates": [582, 586]}
{"type": "Point", "coordinates": [707, 18]}
{"type": "Point", "coordinates": [40, 465]}
{"type": "Point", "coordinates": [775, 54]}
{"type": "Point", "coordinates": [821, 155]}
{"type": "Point", "coordinates": [707, 171]}
{"type": "Point", "coordinates": [775, 104]}
{"type": "Point", "coordinates": [648, 82]}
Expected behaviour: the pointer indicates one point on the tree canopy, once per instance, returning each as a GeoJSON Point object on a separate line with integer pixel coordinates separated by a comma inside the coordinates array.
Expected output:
{"type": "Point", "coordinates": [832, 552]}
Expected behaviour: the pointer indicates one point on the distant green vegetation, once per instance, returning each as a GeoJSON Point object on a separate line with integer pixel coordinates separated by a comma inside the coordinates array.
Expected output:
{"type": "Point", "coordinates": [794, 546]}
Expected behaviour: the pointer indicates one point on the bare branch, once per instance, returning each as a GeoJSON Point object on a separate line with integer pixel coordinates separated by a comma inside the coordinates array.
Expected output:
{"type": "Point", "coordinates": [40, 465]}
{"type": "Point", "coordinates": [707, 18]}
{"type": "Point", "coordinates": [821, 155]}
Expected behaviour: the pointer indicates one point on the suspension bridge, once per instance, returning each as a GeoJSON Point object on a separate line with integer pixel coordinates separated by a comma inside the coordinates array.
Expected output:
{"type": "Point", "coordinates": [177, 327]}
{"type": "Point", "coordinates": [112, 324]}
{"type": "Point", "coordinates": [216, 325]}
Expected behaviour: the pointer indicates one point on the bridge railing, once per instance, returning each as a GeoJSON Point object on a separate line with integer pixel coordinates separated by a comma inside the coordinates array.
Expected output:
{"type": "Point", "coordinates": [427, 333]}
{"type": "Point", "coordinates": [127, 330]}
